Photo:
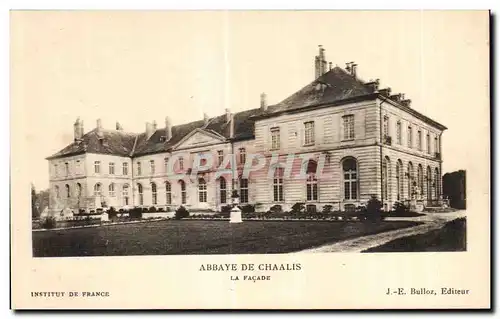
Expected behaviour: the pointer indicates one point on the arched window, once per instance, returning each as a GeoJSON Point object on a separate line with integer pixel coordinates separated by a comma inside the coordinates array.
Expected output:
{"type": "Point", "coordinates": [311, 181]}
{"type": "Point", "coordinates": [202, 190]}
{"type": "Point", "coordinates": [168, 193]}
{"type": "Point", "coordinates": [420, 180]}
{"type": "Point", "coordinates": [350, 170]}
{"type": "Point", "coordinates": [68, 191]}
{"type": "Point", "coordinates": [411, 178]}
{"type": "Point", "coordinates": [141, 194]}
{"type": "Point", "coordinates": [243, 190]}
{"type": "Point", "coordinates": [429, 183]}
{"type": "Point", "coordinates": [125, 195]}
{"type": "Point", "coordinates": [97, 190]}
{"type": "Point", "coordinates": [386, 178]}
{"type": "Point", "coordinates": [111, 189]}
{"type": "Point", "coordinates": [222, 190]}
{"type": "Point", "coordinates": [154, 194]}
{"type": "Point", "coordinates": [78, 190]}
{"type": "Point", "coordinates": [436, 183]}
{"type": "Point", "coordinates": [56, 191]}
{"type": "Point", "coordinates": [399, 179]}
{"type": "Point", "coordinates": [183, 191]}
{"type": "Point", "coordinates": [278, 185]}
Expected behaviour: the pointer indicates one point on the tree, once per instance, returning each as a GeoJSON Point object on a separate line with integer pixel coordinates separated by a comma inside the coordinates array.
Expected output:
{"type": "Point", "coordinates": [34, 209]}
{"type": "Point", "coordinates": [454, 188]}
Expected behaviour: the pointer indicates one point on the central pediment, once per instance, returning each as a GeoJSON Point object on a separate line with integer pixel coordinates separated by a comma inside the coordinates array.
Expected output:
{"type": "Point", "coordinates": [200, 137]}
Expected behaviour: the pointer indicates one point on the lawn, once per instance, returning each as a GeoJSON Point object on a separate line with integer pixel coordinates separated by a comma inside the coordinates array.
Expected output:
{"type": "Point", "coordinates": [451, 237]}
{"type": "Point", "coordinates": [179, 237]}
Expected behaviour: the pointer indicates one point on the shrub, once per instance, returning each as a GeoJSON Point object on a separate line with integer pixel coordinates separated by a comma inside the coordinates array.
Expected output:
{"type": "Point", "coordinates": [181, 213]}
{"type": "Point", "coordinates": [144, 209]}
{"type": "Point", "coordinates": [152, 209]}
{"type": "Point", "coordinates": [81, 211]}
{"type": "Point", "coordinates": [298, 208]}
{"type": "Point", "coordinates": [135, 213]}
{"type": "Point", "coordinates": [276, 209]}
{"type": "Point", "coordinates": [374, 209]}
{"type": "Point", "coordinates": [48, 222]}
{"type": "Point", "coordinates": [112, 212]}
{"type": "Point", "coordinates": [161, 209]}
{"type": "Point", "coordinates": [247, 209]}
{"type": "Point", "coordinates": [400, 208]}
{"type": "Point", "coordinates": [121, 210]}
{"type": "Point", "coordinates": [327, 209]}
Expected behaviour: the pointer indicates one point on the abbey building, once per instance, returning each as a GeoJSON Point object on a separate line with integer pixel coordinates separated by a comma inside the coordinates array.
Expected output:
{"type": "Point", "coordinates": [366, 140]}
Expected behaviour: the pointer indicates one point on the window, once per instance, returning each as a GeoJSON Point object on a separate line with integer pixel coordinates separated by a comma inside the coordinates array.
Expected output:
{"type": "Point", "coordinates": [428, 143]}
{"type": "Point", "coordinates": [111, 168]}
{"type": "Point", "coordinates": [183, 191]}
{"type": "Point", "coordinates": [97, 167]}
{"type": "Point", "coordinates": [437, 183]}
{"type": "Point", "coordinates": [420, 180]}
{"type": "Point", "coordinates": [56, 170]}
{"type": "Point", "coordinates": [181, 163]}
{"type": "Point", "coordinates": [166, 164]}
{"type": "Point", "coordinates": [348, 127]}
{"type": "Point", "coordinates": [275, 138]}
{"type": "Point", "coordinates": [220, 157]}
{"type": "Point", "coordinates": [311, 182]}
{"type": "Point", "coordinates": [141, 194]}
{"type": "Point", "coordinates": [202, 190]}
{"type": "Point", "coordinates": [78, 190]}
{"type": "Point", "coordinates": [139, 169]}
{"type": "Point", "coordinates": [154, 194]}
{"type": "Point", "coordinates": [398, 132]}
{"type": "Point", "coordinates": [243, 190]}
{"type": "Point", "coordinates": [125, 195]}
{"type": "Point", "coordinates": [386, 177]}
{"type": "Point", "coordinates": [411, 177]}
{"type": "Point", "coordinates": [309, 133]}
{"type": "Point", "coordinates": [399, 179]}
{"type": "Point", "coordinates": [350, 170]}
{"type": "Point", "coordinates": [386, 126]}
{"type": "Point", "coordinates": [78, 167]}
{"type": "Point", "coordinates": [97, 190]}
{"type": "Point", "coordinates": [243, 155]}
{"type": "Point", "coordinates": [66, 168]}
{"type": "Point", "coordinates": [152, 167]}
{"type": "Point", "coordinates": [68, 191]}
{"type": "Point", "coordinates": [419, 140]}
{"type": "Point", "coordinates": [222, 190]}
{"type": "Point", "coordinates": [125, 169]}
{"type": "Point", "coordinates": [168, 192]}
{"type": "Point", "coordinates": [410, 137]}
{"type": "Point", "coordinates": [436, 145]}
{"type": "Point", "coordinates": [56, 191]}
{"type": "Point", "coordinates": [278, 185]}
{"type": "Point", "coordinates": [111, 190]}
{"type": "Point", "coordinates": [429, 183]}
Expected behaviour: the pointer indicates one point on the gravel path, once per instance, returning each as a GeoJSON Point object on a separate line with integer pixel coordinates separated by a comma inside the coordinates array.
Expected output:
{"type": "Point", "coordinates": [431, 221]}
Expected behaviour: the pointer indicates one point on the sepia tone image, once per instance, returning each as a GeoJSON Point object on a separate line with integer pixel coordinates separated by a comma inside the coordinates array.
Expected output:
{"type": "Point", "coordinates": [324, 148]}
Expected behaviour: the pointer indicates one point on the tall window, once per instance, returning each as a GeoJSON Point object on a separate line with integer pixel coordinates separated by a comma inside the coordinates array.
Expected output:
{"type": "Point", "coordinates": [56, 191]}
{"type": "Point", "coordinates": [181, 163]}
{"type": "Point", "coordinates": [348, 121]}
{"type": "Point", "coordinates": [141, 194]}
{"type": "Point", "coordinates": [243, 155]}
{"type": "Point", "coordinates": [202, 190]}
{"type": "Point", "coordinates": [68, 191]}
{"type": "Point", "coordinates": [139, 169]}
{"type": "Point", "coordinates": [78, 167]}
{"type": "Point", "coordinates": [309, 133]}
{"type": "Point", "coordinates": [429, 183]}
{"type": "Point", "coordinates": [350, 170]}
{"type": "Point", "coordinates": [168, 193]}
{"type": "Point", "coordinates": [125, 169]}
{"type": "Point", "coordinates": [437, 183]}
{"type": "Point", "coordinates": [311, 182]}
{"type": "Point", "coordinates": [220, 157]}
{"type": "Point", "coordinates": [398, 132]}
{"type": "Point", "coordinates": [410, 137]}
{"type": "Point", "coordinates": [420, 179]}
{"type": "Point", "coordinates": [125, 195]}
{"type": "Point", "coordinates": [97, 190]}
{"type": "Point", "coordinates": [183, 191]}
{"type": "Point", "coordinates": [111, 190]}
{"type": "Point", "coordinates": [154, 194]}
{"type": "Point", "coordinates": [275, 138]}
{"type": "Point", "coordinates": [399, 179]}
{"type": "Point", "coordinates": [66, 168]}
{"type": "Point", "coordinates": [165, 162]}
{"type": "Point", "coordinates": [386, 126]}
{"type": "Point", "coordinates": [278, 185]}
{"type": "Point", "coordinates": [97, 167]}
{"type": "Point", "coordinates": [56, 170]}
{"type": "Point", "coordinates": [436, 145]}
{"type": "Point", "coordinates": [411, 178]}
{"type": "Point", "coordinates": [152, 167]}
{"type": "Point", "coordinates": [386, 176]}
{"type": "Point", "coordinates": [222, 190]}
{"type": "Point", "coordinates": [78, 190]}
{"type": "Point", "coordinates": [419, 140]}
{"type": "Point", "coordinates": [111, 168]}
{"type": "Point", "coordinates": [428, 143]}
{"type": "Point", "coordinates": [243, 190]}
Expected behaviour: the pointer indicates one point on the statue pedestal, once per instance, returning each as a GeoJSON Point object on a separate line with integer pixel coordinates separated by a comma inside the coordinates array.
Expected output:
{"type": "Point", "coordinates": [235, 216]}
{"type": "Point", "coordinates": [104, 217]}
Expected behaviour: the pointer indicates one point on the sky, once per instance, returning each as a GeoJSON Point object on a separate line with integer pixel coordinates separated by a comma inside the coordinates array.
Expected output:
{"type": "Point", "coordinates": [138, 66]}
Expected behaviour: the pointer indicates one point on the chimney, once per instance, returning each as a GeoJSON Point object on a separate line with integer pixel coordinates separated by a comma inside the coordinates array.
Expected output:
{"type": "Point", "coordinates": [149, 130]}
{"type": "Point", "coordinates": [168, 128]}
{"type": "Point", "coordinates": [78, 129]}
{"type": "Point", "coordinates": [354, 67]}
{"type": "Point", "coordinates": [228, 115]}
{"type": "Point", "coordinates": [317, 71]}
{"type": "Point", "coordinates": [320, 63]}
{"type": "Point", "coordinates": [330, 67]}
{"type": "Point", "coordinates": [99, 128]}
{"type": "Point", "coordinates": [155, 126]}
{"type": "Point", "coordinates": [263, 102]}
{"type": "Point", "coordinates": [119, 127]}
{"type": "Point", "coordinates": [231, 126]}
{"type": "Point", "coordinates": [206, 118]}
